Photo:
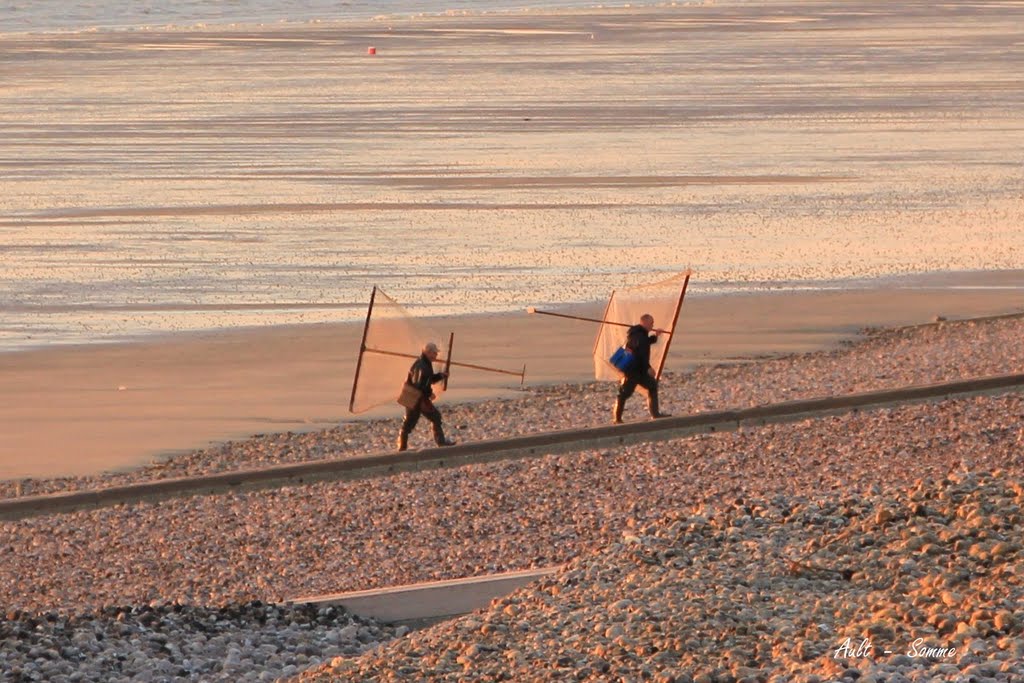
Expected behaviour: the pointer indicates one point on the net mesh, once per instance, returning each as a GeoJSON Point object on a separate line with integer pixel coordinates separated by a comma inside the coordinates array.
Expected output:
{"type": "Point", "coordinates": [625, 307]}
{"type": "Point", "coordinates": [394, 339]}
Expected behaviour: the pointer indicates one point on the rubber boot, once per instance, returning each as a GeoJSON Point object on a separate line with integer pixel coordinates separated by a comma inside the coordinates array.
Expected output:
{"type": "Point", "coordinates": [617, 411]}
{"type": "Point", "coordinates": [652, 404]}
{"type": "Point", "coordinates": [439, 437]}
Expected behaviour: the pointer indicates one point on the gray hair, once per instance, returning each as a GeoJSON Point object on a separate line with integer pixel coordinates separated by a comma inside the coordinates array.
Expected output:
{"type": "Point", "coordinates": [430, 347]}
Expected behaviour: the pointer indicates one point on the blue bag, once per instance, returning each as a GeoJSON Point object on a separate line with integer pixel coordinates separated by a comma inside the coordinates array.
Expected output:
{"type": "Point", "coordinates": [622, 359]}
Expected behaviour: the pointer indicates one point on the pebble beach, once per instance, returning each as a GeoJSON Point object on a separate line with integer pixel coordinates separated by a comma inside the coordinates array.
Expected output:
{"type": "Point", "coordinates": [922, 584]}
{"type": "Point", "coordinates": [778, 487]}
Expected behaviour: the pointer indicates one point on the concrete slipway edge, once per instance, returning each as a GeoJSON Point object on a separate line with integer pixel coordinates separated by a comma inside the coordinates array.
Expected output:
{"type": "Point", "coordinates": [420, 604]}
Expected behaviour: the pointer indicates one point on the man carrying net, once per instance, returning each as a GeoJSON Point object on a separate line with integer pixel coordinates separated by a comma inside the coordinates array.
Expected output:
{"type": "Point", "coordinates": [639, 373]}
{"type": "Point", "coordinates": [421, 378]}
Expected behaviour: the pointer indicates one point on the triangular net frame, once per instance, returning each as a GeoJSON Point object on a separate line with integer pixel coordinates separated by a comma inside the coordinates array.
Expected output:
{"type": "Point", "coordinates": [392, 340]}
{"type": "Point", "coordinates": [662, 300]}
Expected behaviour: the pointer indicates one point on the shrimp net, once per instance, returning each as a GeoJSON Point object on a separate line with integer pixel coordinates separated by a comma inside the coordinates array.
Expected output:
{"type": "Point", "coordinates": [393, 340]}
{"type": "Point", "coordinates": [625, 307]}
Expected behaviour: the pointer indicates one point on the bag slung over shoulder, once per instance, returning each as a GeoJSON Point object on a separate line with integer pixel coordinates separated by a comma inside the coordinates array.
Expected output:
{"type": "Point", "coordinates": [409, 397]}
{"type": "Point", "coordinates": [622, 360]}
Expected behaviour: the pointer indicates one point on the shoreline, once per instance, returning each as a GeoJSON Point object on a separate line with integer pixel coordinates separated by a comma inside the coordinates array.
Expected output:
{"type": "Point", "coordinates": [109, 408]}
{"type": "Point", "coordinates": [991, 280]}
{"type": "Point", "coordinates": [525, 188]}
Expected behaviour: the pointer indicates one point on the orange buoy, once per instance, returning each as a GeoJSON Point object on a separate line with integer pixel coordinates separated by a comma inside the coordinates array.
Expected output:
{"type": "Point", "coordinates": [371, 50]}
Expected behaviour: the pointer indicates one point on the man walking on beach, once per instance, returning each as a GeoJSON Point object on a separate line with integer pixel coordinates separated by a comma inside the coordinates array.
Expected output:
{"type": "Point", "coordinates": [640, 373]}
{"type": "Point", "coordinates": [422, 376]}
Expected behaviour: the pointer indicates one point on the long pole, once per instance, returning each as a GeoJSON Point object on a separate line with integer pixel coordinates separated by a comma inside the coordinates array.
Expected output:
{"type": "Point", "coordinates": [455, 363]}
{"type": "Point", "coordinates": [604, 317]}
{"type": "Point", "coordinates": [362, 349]}
{"type": "Point", "coordinates": [675, 319]}
{"type": "Point", "coordinates": [589, 320]}
{"type": "Point", "coordinates": [448, 361]}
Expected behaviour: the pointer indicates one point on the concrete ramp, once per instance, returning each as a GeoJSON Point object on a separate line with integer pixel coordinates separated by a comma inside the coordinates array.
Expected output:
{"type": "Point", "coordinates": [423, 603]}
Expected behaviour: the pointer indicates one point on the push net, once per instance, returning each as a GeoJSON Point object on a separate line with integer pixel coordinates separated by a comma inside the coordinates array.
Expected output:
{"type": "Point", "coordinates": [392, 341]}
{"type": "Point", "coordinates": [625, 306]}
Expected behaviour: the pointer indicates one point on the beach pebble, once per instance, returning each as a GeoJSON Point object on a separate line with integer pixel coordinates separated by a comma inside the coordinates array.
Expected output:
{"type": "Point", "coordinates": [800, 625]}
{"type": "Point", "coordinates": [772, 543]}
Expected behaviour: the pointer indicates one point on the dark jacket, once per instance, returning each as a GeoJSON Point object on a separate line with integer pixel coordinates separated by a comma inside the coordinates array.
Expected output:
{"type": "Point", "coordinates": [639, 340]}
{"type": "Point", "coordinates": [422, 375]}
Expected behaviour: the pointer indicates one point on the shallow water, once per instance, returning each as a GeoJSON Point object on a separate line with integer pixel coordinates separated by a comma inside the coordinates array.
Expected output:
{"type": "Point", "coordinates": [90, 15]}
{"type": "Point", "coordinates": [165, 180]}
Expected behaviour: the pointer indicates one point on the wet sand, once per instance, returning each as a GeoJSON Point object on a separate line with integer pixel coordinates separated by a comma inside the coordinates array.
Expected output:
{"type": "Point", "coordinates": [88, 410]}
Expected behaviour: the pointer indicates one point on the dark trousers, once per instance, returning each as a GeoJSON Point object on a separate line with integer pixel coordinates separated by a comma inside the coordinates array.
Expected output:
{"type": "Point", "coordinates": [412, 416]}
{"type": "Point", "coordinates": [628, 386]}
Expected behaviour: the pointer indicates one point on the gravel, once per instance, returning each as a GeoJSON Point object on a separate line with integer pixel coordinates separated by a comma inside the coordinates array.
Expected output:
{"type": "Point", "coordinates": [920, 584]}
{"type": "Point", "coordinates": [204, 554]}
